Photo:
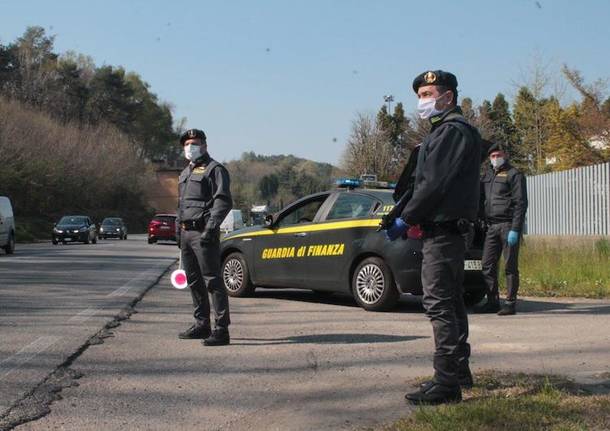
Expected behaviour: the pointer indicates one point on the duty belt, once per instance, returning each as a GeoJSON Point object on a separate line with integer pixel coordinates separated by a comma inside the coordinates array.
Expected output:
{"type": "Point", "coordinates": [439, 228]}
{"type": "Point", "coordinates": [192, 225]}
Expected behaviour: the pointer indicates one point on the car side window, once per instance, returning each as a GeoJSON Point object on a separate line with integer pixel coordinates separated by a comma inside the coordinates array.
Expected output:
{"type": "Point", "coordinates": [351, 205]}
{"type": "Point", "coordinates": [303, 213]}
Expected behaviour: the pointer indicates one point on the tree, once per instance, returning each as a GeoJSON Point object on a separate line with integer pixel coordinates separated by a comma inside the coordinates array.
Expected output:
{"type": "Point", "coordinates": [566, 146]}
{"type": "Point", "coordinates": [502, 129]}
{"type": "Point", "coordinates": [368, 150]}
{"type": "Point", "coordinates": [531, 128]}
{"type": "Point", "coordinates": [268, 186]}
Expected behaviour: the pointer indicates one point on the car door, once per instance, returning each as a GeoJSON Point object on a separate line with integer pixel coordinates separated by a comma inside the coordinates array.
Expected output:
{"type": "Point", "coordinates": [3, 221]}
{"type": "Point", "coordinates": [279, 254]}
{"type": "Point", "coordinates": [341, 230]}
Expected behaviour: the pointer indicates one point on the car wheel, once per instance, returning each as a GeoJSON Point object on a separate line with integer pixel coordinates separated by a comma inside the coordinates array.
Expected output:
{"type": "Point", "coordinates": [54, 241]}
{"type": "Point", "coordinates": [373, 285]}
{"type": "Point", "coordinates": [151, 241]}
{"type": "Point", "coordinates": [474, 296]}
{"type": "Point", "coordinates": [10, 247]}
{"type": "Point", "coordinates": [87, 241]}
{"type": "Point", "coordinates": [94, 240]}
{"type": "Point", "coordinates": [236, 277]}
{"type": "Point", "coordinates": [125, 237]}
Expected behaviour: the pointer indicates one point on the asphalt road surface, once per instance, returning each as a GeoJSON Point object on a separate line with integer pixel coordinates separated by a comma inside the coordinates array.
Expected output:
{"type": "Point", "coordinates": [53, 299]}
{"type": "Point", "coordinates": [296, 362]}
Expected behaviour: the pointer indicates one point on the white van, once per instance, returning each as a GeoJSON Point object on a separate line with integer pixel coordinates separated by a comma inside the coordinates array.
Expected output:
{"type": "Point", "coordinates": [232, 221]}
{"type": "Point", "coordinates": [7, 225]}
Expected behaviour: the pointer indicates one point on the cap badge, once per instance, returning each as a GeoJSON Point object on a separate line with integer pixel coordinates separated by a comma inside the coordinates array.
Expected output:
{"type": "Point", "coordinates": [430, 78]}
{"type": "Point", "coordinates": [191, 133]}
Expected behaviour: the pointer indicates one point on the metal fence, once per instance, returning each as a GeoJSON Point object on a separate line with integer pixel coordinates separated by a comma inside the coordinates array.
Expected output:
{"type": "Point", "coordinates": [573, 202]}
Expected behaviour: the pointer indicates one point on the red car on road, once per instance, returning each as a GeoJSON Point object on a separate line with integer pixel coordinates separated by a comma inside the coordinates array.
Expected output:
{"type": "Point", "coordinates": [162, 228]}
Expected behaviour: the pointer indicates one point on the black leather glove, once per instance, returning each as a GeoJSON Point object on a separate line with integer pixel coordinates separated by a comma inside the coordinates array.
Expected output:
{"type": "Point", "coordinates": [208, 235]}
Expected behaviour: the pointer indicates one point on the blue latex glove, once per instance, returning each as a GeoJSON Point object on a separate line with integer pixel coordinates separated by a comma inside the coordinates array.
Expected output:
{"type": "Point", "coordinates": [513, 238]}
{"type": "Point", "coordinates": [398, 228]}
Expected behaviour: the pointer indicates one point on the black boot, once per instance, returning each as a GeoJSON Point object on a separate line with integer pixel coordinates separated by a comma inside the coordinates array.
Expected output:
{"type": "Point", "coordinates": [508, 309]}
{"type": "Point", "coordinates": [464, 379]}
{"type": "Point", "coordinates": [491, 306]}
{"type": "Point", "coordinates": [220, 337]}
{"type": "Point", "coordinates": [196, 332]}
{"type": "Point", "coordinates": [434, 393]}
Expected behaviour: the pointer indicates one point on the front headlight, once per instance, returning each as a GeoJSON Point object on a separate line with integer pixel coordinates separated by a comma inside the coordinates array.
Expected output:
{"type": "Point", "coordinates": [101, 229]}
{"type": "Point", "coordinates": [57, 230]}
{"type": "Point", "coordinates": [118, 230]}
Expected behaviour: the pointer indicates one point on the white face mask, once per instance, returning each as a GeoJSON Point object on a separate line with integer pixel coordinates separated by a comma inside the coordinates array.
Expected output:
{"type": "Point", "coordinates": [192, 152]}
{"type": "Point", "coordinates": [497, 162]}
{"type": "Point", "coordinates": [426, 107]}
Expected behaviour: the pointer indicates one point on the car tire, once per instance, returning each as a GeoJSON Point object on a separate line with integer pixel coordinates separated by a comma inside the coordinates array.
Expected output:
{"type": "Point", "coordinates": [125, 236]}
{"type": "Point", "coordinates": [473, 296]}
{"type": "Point", "coordinates": [236, 276]}
{"type": "Point", "coordinates": [94, 240]}
{"type": "Point", "coordinates": [151, 241]}
{"type": "Point", "coordinates": [87, 240]}
{"type": "Point", "coordinates": [373, 285]}
{"type": "Point", "coordinates": [9, 248]}
{"type": "Point", "coordinates": [54, 242]}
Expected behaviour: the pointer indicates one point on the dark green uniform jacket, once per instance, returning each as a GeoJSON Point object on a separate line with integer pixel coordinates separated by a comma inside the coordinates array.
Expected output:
{"type": "Point", "coordinates": [447, 173]}
{"type": "Point", "coordinates": [505, 192]}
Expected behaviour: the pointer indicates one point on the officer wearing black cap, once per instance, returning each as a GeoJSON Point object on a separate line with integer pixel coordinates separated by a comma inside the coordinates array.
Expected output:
{"type": "Point", "coordinates": [204, 202]}
{"type": "Point", "coordinates": [444, 202]}
{"type": "Point", "coordinates": [505, 205]}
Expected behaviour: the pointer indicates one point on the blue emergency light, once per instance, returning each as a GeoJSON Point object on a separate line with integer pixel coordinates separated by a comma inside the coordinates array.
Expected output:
{"type": "Point", "coordinates": [348, 182]}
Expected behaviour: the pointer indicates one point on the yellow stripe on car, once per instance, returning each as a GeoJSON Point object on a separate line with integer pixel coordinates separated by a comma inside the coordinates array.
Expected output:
{"type": "Point", "coordinates": [309, 228]}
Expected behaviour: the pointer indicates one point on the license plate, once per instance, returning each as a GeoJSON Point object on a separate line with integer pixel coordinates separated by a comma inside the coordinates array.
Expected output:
{"type": "Point", "coordinates": [165, 227]}
{"type": "Point", "coordinates": [67, 239]}
{"type": "Point", "coordinates": [472, 265]}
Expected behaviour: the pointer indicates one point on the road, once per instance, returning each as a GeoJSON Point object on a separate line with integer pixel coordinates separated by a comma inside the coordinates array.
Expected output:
{"type": "Point", "coordinates": [53, 299]}
{"type": "Point", "coordinates": [296, 362]}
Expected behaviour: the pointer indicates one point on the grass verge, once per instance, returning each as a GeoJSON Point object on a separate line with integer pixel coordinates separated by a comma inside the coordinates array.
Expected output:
{"type": "Point", "coordinates": [564, 266]}
{"type": "Point", "coordinates": [517, 402]}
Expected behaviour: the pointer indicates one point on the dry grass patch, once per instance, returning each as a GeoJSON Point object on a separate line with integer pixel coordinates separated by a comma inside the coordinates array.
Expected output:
{"type": "Point", "coordinates": [518, 402]}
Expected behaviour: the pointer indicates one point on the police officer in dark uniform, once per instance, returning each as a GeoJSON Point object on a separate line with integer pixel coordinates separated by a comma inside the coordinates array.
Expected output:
{"type": "Point", "coordinates": [204, 202]}
{"type": "Point", "coordinates": [444, 202]}
{"type": "Point", "coordinates": [505, 191]}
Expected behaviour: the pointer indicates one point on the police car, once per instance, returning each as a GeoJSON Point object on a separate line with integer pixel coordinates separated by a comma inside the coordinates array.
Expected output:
{"type": "Point", "coordinates": [330, 242]}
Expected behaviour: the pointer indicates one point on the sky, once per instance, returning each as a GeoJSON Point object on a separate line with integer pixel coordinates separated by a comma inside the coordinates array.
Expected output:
{"type": "Point", "coordinates": [289, 77]}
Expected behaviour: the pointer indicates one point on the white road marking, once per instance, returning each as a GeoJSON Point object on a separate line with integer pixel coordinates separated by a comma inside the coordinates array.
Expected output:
{"type": "Point", "coordinates": [26, 354]}
{"type": "Point", "coordinates": [84, 315]}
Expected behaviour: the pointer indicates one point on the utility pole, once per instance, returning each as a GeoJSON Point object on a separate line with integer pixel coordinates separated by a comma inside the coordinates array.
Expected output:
{"type": "Point", "coordinates": [389, 99]}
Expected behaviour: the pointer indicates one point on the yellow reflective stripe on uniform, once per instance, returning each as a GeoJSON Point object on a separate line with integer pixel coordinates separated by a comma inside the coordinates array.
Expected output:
{"type": "Point", "coordinates": [310, 228]}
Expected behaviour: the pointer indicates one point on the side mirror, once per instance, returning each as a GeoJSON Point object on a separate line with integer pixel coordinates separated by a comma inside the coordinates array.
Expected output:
{"type": "Point", "coordinates": [269, 220]}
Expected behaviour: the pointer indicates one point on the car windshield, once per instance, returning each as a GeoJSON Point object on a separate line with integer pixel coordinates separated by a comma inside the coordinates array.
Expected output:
{"type": "Point", "coordinates": [111, 222]}
{"type": "Point", "coordinates": [73, 220]}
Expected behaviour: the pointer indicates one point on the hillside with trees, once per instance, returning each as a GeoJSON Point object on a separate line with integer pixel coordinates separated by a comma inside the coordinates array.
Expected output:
{"type": "Point", "coordinates": [75, 137]}
{"type": "Point", "coordinates": [276, 180]}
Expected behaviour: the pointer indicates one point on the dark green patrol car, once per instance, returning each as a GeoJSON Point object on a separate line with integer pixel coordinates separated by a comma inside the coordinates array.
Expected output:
{"type": "Point", "coordinates": [329, 242]}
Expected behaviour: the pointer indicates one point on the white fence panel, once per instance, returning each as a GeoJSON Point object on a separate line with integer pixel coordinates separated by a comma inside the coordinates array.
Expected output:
{"type": "Point", "coordinates": [573, 202]}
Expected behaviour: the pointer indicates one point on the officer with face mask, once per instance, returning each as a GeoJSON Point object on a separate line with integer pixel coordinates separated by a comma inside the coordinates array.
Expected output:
{"type": "Point", "coordinates": [505, 205]}
{"type": "Point", "coordinates": [204, 202]}
{"type": "Point", "coordinates": [444, 202]}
